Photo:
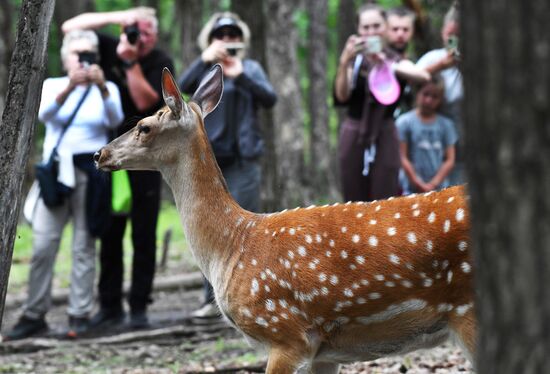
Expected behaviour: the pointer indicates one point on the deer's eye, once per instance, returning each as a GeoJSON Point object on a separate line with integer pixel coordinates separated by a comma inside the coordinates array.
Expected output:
{"type": "Point", "coordinates": [144, 129]}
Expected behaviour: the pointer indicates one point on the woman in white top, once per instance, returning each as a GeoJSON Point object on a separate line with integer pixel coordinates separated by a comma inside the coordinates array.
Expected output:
{"type": "Point", "coordinates": [100, 111]}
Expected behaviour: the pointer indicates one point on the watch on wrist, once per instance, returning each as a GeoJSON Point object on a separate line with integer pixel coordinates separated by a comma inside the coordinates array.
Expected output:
{"type": "Point", "coordinates": [127, 64]}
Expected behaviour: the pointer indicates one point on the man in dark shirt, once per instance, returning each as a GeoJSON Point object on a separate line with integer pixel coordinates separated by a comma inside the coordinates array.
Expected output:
{"type": "Point", "coordinates": [135, 65]}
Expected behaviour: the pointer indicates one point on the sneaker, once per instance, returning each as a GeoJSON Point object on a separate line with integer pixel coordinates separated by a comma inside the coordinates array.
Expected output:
{"type": "Point", "coordinates": [107, 317]}
{"type": "Point", "coordinates": [208, 310]}
{"type": "Point", "coordinates": [77, 327]}
{"type": "Point", "coordinates": [139, 320]}
{"type": "Point", "coordinates": [26, 327]}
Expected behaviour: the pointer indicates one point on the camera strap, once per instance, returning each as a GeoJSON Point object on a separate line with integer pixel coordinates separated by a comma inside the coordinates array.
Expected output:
{"type": "Point", "coordinates": [71, 118]}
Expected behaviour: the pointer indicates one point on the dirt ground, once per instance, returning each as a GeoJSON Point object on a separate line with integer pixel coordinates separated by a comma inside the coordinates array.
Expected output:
{"type": "Point", "coordinates": [177, 344]}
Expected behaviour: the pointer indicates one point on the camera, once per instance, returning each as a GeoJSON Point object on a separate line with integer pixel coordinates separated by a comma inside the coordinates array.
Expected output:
{"type": "Point", "coordinates": [87, 58]}
{"type": "Point", "coordinates": [233, 48]}
{"type": "Point", "coordinates": [452, 45]}
{"type": "Point", "coordinates": [132, 33]}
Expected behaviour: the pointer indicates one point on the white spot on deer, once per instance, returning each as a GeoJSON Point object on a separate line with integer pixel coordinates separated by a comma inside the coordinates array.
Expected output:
{"type": "Point", "coordinates": [414, 206]}
{"type": "Point", "coordinates": [266, 288]}
{"type": "Point", "coordinates": [274, 329]}
{"type": "Point", "coordinates": [266, 231]}
{"type": "Point", "coordinates": [283, 303]}
{"type": "Point", "coordinates": [406, 284]}
{"type": "Point", "coordinates": [372, 222]}
{"type": "Point", "coordinates": [409, 266]}
{"type": "Point", "coordinates": [328, 253]}
{"type": "Point", "coordinates": [411, 237]}
{"type": "Point", "coordinates": [245, 312]}
{"type": "Point", "coordinates": [309, 240]}
{"type": "Point", "coordinates": [428, 282]}
{"type": "Point", "coordinates": [294, 310]}
{"type": "Point", "coordinates": [355, 286]}
{"type": "Point", "coordinates": [318, 238]}
{"type": "Point", "coordinates": [322, 277]}
{"type": "Point", "coordinates": [333, 280]}
{"type": "Point", "coordinates": [318, 320]}
{"type": "Point", "coordinates": [290, 255]}
{"type": "Point", "coordinates": [373, 241]}
{"type": "Point", "coordinates": [292, 231]}
{"type": "Point", "coordinates": [360, 260]}
{"type": "Point", "coordinates": [449, 276]}
{"type": "Point", "coordinates": [459, 214]}
{"type": "Point", "coordinates": [379, 277]}
{"type": "Point", "coordinates": [287, 264]}
{"type": "Point", "coordinates": [263, 275]}
{"type": "Point", "coordinates": [397, 215]}
{"type": "Point", "coordinates": [274, 233]}
{"type": "Point", "coordinates": [429, 246]}
{"type": "Point", "coordinates": [446, 226]}
{"type": "Point", "coordinates": [359, 215]}
{"type": "Point", "coordinates": [374, 295]}
{"type": "Point", "coordinates": [463, 309]}
{"type": "Point", "coordinates": [431, 217]}
{"type": "Point", "coordinates": [302, 251]}
{"type": "Point", "coordinates": [262, 322]}
{"type": "Point", "coordinates": [312, 265]}
{"type": "Point", "coordinates": [324, 291]}
{"type": "Point", "coordinates": [282, 229]}
{"type": "Point", "coordinates": [364, 282]}
{"type": "Point", "coordinates": [392, 231]}
{"type": "Point", "coordinates": [284, 315]}
{"type": "Point", "coordinates": [355, 238]}
{"type": "Point", "coordinates": [393, 311]}
{"type": "Point", "coordinates": [254, 262]}
{"type": "Point", "coordinates": [378, 207]}
{"type": "Point", "coordinates": [450, 199]}
{"type": "Point", "coordinates": [462, 246]}
{"type": "Point", "coordinates": [360, 300]}
{"type": "Point", "coordinates": [344, 254]}
{"type": "Point", "coordinates": [416, 213]}
{"type": "Point", "coordinates": [466, 268]}
{"type": "Point", "coordinates": [240, 265]}
{"type": "Point", "coordinates": [270, 305]}
{"type": "Point", "coordinates": [445, 264]}
{"type": "Point", "coordinates": [389, 284]}
{"type": "Point", "coordinates": [394, 259]}
{"type": "Point", "coordinates": [255, 287]}
{"type": "Point", "coordinates": [352, 267]}
{"type": "Point", "coordinates": [342, 320]}
{"type": "Point", "coordinates": [348, 292]}
{"type": "Point", "coordinates": [331, 243]}
{"type": "Point", "coordinates": [344, 229]}
{"type": "Point", "coordinates": [444, 307]}
{"type": "Point", "coordinates": [435, 264]}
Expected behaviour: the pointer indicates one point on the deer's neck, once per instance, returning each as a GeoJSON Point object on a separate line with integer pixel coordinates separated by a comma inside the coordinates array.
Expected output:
{"type": "Point", "coordinates": [214, 224]}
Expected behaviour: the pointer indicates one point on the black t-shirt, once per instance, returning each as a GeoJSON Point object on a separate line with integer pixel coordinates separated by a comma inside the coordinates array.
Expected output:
{"type": "Point", "coordinates": [151, 65]}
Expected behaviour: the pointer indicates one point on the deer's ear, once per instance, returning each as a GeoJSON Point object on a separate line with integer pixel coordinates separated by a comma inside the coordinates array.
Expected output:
{"type": "Point", "coordinates": [210, 90]}
{"type": "Point", "coordinates": [171, 93]}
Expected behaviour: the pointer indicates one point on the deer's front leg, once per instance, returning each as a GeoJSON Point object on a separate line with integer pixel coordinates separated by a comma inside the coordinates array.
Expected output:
{"type": "Point", "coordinates": [283, 360]}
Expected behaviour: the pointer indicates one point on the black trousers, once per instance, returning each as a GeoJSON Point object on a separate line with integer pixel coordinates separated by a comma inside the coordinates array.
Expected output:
{"type": "Point", "coordinates": [144, 216]}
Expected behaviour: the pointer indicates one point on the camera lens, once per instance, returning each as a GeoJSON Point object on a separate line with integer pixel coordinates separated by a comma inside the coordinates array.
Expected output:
{"type": "Point", "coordinates": [132, 33]}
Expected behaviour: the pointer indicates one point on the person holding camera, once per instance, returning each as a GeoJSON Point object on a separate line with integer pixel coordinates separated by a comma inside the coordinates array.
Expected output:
{"type": "Point", "coordinates": [369, 82]}
{"type": "Point", "coordinates": [444, 61]}
{"type": "Point", "coordinates": [134, 63]}
{"type": "Point", "coordinates": [78, 110]}
{"type": "Point", "coordinates": [232, 128]}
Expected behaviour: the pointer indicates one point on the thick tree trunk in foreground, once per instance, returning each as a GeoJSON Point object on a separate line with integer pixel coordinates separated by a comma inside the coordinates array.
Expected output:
{"type": "Point", "coordinates": [6, 46]}
{"type": "Point", "coordinates": [282, 63]}
{"type": "Point", "coordinates": [17, 126]}
{"type": "Point", "coordinates": [507, 94]}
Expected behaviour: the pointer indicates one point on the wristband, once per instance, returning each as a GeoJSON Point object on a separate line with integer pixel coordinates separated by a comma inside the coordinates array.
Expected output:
{"type": "Point", "coordinates": [128, 64]}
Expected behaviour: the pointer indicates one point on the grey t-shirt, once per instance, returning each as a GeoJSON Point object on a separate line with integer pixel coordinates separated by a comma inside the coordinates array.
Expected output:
{"type": "Point", "coordinates": [426, 142]}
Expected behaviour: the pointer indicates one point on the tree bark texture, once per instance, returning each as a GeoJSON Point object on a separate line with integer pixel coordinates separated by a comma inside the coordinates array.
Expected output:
{"type": "Point", "coordinates": [281, 36]}
{"type": "Point", "coordinates": [6, 46]}
{"type": "Point", "coordinates": [17, 126]}
{"type": "Point", "coordinates": [189, 19]}
{"type": "Point", "coordinates": [322, 178]}
{"type": "Point", "coordinates": [253, 14]}
{"type": "Point", "coordinates": [506, 68]}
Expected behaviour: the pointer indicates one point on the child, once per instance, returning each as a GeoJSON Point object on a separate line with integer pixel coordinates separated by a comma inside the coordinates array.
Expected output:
{"type": "Point", "coordinates": [427, 141]}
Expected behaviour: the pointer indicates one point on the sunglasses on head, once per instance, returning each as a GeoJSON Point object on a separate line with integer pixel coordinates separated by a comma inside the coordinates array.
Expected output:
{"type": "Point", "coordinates": [230, 32]}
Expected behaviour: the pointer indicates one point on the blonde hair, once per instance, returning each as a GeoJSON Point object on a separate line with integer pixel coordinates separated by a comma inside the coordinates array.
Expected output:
{"type": "Point", "coordinates": [71, 36]}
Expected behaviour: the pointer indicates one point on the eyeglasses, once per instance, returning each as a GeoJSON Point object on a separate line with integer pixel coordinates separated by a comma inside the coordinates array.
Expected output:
{"type": "Point", "coordinates": [230, 32]}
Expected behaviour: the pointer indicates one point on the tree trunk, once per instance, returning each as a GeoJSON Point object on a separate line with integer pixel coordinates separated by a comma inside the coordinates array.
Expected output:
{"type": "Point", "coordinates": [6, 46]}
{"type": "Point", "coordinates": [506, 112]}
{"type": "Point", "coordinates": [427, 34]}
{"type": "Point", "coordinates": [68, 9]}
{"type": "Point", "coordinates": [282, 63]}
{"type": "Point", "coordinates": [321, 168]}
{"type": "Point", "coordinates": [17, 127]}
{"type": "Point", "coordinates": [189, 19]}
{"type": "Point", "coordinates": [253, 14]}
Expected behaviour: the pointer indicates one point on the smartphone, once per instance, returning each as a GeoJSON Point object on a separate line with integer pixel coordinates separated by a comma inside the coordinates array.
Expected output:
{"type": "Point", "coordinates": [373, 44]}
{"type": "Point", "coordinates": [452, 42]}
{"type": "Point", "coordinates": [233, 48]}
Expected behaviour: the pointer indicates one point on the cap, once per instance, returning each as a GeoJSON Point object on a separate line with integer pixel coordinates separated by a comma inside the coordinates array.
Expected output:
{"type": "Point", "coordinates": [225, 22]}
{"type": "Point", "coordinates": [383, 84]}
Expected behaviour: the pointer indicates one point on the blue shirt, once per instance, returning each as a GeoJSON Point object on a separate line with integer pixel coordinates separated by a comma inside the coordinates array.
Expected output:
{"type": "Point", "coordinates": [426, 142]}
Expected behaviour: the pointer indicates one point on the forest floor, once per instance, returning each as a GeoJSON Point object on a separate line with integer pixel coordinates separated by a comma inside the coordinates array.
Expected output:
{"type": "Point", "coordinates": [176, 343]}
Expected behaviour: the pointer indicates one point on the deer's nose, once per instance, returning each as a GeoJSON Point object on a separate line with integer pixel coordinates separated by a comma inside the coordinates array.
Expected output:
{"type": "Point", "coordinates": [97, 155]}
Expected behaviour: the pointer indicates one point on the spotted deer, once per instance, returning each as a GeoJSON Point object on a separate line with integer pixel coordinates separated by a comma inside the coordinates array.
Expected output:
{"type": "Point", "coordinates": [316, 286]}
